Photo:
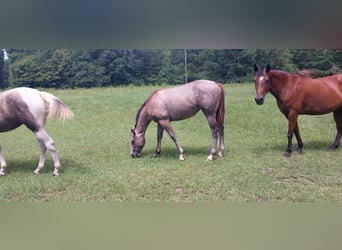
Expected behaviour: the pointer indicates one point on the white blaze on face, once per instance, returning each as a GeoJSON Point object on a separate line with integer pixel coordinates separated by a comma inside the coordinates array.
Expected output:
{"type": "Point", "coordinates": [261, 78]}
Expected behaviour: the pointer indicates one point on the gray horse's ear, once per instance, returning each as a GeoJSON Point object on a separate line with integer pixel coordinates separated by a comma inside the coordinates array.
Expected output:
{"type": "Point", "coordinates": [256, 68]}
{"type": "Point", "coordinates": [268, 68]}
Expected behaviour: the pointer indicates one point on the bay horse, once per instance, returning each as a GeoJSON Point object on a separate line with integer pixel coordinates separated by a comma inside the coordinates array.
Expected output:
{"type": "Point", "coordinates": [30, 107]}
{"type": "Point", "coordinates": [300, 95]}
{"type": "Point", "coordinates": [179, 103]}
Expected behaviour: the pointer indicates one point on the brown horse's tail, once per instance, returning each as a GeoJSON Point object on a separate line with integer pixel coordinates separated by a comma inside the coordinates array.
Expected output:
{"type": "Point", "coordinates": [55, 107]}
{"type": "Point", "coordinates": [221, 110]}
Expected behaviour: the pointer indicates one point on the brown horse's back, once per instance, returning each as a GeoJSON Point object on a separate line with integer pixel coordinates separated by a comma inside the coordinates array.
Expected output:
{"type": "Point", "coordinates": [305, 95]}
{"type": "Point", "coordinates": [319, 96]}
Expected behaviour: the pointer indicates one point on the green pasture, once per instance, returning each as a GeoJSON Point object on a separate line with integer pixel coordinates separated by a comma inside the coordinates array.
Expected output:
{"type": "Point", "coordinates": [96, 166]}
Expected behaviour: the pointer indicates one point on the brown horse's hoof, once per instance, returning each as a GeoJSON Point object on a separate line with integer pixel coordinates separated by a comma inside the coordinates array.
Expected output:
{"type": "Point", "coordinates": [286, 155]}
{"type": "Point", "coordinates": [299, 151]}
{"type": "Point", "coordinates": [154, 155]}
{"type": "Point", "coordinates": [332, 148]}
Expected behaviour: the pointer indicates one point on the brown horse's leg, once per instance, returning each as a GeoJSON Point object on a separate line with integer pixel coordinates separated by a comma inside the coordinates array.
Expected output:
{"type": "Point", "coordinates": [338, 121]}
{"type": "Point", "coordinates": [167, 125]}
{"type": "Point", "coordinates": [3, 164]}
{"type": "Point", "coordinates": [46, 142]}
{"type": "Point", "coordinates": [299, 140]}
{"type": "Point", "coordinates": [292, 124]}
{"type": "Point", "coordinates": [160, 131]}
{"type": "Point", "coordinates": [336, 143]}
{"type": "Point", "coordinates": [288, 151]}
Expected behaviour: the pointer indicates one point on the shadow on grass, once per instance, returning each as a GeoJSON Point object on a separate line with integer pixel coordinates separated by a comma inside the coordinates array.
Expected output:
{"type": "Point", "coordinates": [29, 165]}
{"type": "Point", "coordinates": [200, 151]}
{"type": "Point", "coordinates": [309, 145]}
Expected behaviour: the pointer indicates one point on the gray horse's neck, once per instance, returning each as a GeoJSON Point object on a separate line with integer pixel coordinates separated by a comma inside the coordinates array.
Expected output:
{"type": "Point", "coordinates": [142, 122]}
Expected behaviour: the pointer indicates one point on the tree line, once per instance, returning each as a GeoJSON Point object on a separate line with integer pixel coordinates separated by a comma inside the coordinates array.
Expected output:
{"type": "Point", "coordinates": [86, 68]}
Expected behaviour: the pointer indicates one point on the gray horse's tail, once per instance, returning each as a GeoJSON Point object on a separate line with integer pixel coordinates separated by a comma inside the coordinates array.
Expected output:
{"type": "Point", "coordinates": [55, 107]}
{"type": "Point", "coordinates": [221, 110]}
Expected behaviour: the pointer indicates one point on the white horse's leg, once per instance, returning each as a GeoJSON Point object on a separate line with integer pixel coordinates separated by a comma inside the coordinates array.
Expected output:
{"type": "Point", "coordinates": [3, 164]}
{"type": "Point", "coordinates": [41, 158]}
{"type": "Point", "coordinates": [46, 142]}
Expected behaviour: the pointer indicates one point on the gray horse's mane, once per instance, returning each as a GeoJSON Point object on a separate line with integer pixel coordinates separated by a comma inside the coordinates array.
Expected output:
{"type": "Point", "coordinates": [141, 108]}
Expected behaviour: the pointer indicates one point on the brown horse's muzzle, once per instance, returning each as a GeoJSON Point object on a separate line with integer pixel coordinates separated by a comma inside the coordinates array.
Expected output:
{"type": "Point", "coordinates": [259, 100]}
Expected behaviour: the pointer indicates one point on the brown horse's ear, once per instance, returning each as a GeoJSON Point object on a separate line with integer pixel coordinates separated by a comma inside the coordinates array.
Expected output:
{"type": "Point", "coordinates": [268, 68]}
{"type": "Point", "coordinates": [256, 68]}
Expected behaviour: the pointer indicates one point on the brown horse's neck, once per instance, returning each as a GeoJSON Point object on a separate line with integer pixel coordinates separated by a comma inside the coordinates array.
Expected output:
{"type": "Point", "coordinates": [278, 82]}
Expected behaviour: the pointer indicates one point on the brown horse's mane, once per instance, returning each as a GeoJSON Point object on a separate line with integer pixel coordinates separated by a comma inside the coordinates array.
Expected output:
{"type": "Point", "coordinates": [283, 75]}
{"type": "Point", "coordinates": [280, 74]}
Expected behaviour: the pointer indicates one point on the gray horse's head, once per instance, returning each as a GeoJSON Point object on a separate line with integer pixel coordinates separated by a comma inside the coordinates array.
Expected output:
{"type": "Point", "coordinates": [137, 143]}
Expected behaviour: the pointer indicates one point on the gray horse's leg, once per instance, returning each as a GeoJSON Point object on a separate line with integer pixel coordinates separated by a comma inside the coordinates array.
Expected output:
{"type": "Point", "coordinates": [46, 142]}
{"type": "Point", "coordinates": [167, 125]}
{"type": "Point", "coordinates": [160, 131]}
{"type": "Point", "coordinates": [221, 134]}
{"type": "Point", "coordinates": [214, 131]}
{"type": "Point", "coordinates": [3, 164]}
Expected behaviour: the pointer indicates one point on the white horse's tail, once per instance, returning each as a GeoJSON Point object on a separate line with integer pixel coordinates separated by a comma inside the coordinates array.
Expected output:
{"type": "Point", "coordinates": [55, 107]}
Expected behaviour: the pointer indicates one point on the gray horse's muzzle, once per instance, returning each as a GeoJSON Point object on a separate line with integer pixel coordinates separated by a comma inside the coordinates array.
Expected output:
{"type": "Point", "coordinates": [135, 154]}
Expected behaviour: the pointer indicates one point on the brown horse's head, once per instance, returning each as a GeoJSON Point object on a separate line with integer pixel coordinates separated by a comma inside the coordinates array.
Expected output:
{"type": "Point", "coordinates": [137, 143]}
{"type": "Point", "coordinates": [262, 83]}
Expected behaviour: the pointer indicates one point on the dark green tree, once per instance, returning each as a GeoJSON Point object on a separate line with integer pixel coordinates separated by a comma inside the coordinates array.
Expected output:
{"type": "Point", "coordinates": [2, 70]}
{"type": "Point", "coordinates": [81, 71]}
{"type": "Point", "coordinates": [74, 68]}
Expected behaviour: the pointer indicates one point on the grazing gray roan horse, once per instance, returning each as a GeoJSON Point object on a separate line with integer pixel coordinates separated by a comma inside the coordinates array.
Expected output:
{"type": "Point", "coordinates": [31, 107]}
{"type": "Point", "coordinates": [178, 103]}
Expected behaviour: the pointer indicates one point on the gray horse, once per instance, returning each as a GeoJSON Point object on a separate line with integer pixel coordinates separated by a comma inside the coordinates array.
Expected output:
{"type": "Point", "coordinates": [178, 103]}
{"type": "Point", "coordinates": [30, 107]}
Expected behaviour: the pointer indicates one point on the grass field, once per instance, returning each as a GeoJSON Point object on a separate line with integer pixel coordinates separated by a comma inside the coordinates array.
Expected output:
{"type": "Point", "coordinates": [96, 167]}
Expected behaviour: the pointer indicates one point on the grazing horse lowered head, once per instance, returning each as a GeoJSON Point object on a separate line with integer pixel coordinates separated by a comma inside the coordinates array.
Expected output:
{"type": "Point", "coordinates": [30, 107]}
{"type": "Point", "coordinates": [179, 103]}
{"type": "Point", "coordinates": [298, 95]}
